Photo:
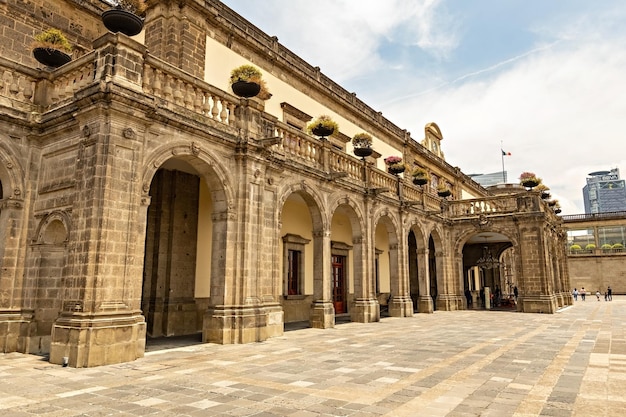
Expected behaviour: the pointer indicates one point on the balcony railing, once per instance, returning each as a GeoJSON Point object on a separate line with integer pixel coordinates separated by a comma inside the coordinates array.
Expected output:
{"type": "Point", "coordinates": [27, 93]}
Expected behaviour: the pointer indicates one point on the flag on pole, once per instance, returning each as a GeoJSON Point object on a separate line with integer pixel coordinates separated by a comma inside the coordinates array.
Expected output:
{"type": "Point", "coordinates": [505, 153]}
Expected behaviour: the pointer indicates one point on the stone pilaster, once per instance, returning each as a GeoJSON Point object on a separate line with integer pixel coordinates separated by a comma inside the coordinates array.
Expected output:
{"type": "Point", "coordinates": [322, 315]}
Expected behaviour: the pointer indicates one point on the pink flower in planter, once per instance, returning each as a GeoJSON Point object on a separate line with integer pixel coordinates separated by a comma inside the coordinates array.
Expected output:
{"type": "Point", "coordinates": [391, 160]}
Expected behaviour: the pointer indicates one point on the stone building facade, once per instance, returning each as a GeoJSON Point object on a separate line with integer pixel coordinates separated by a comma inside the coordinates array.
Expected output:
{"type": "Point", "coordinates": [140, 198]}
{"type": "Point", "coordinates": [598, 260]}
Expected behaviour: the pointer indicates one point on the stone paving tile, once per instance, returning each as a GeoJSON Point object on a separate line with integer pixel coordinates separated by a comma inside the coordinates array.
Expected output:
{"type": "Point", "coordinates": [463, 363]}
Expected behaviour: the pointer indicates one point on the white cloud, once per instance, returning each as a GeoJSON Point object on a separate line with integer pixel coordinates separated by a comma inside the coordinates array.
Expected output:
{"type": "Point", "coordinates": [343, 37]}
{"type": "Point", "coordinates": [559, 111]}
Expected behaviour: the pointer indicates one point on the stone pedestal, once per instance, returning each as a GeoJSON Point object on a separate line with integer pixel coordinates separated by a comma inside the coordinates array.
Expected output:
{"type": "Point", "coordinates": [538, 304]}
{"type": "Point", "coordinates": [401, 306]}
{"type": "Point", "coordinates": [365, 311]}
{"type": "Point", "coordinates": [322, 315]}
{"type": "Point", "coordinates": [14, 327]}
{"type": "Point", "coordinates": [85, 340]}
{"type": "Point", "coordinates": [450, 302]}
{"type": "Point", "coordinates": [233, 325]}
{"type": "Point", "coordinates": [425, 304]}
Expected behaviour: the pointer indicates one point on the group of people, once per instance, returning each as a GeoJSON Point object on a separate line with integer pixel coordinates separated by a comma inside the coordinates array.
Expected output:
{"type": "Point", "coordinates": [608, 294]}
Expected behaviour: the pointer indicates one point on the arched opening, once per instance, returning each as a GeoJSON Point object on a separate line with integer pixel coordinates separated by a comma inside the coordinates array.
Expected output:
{"type": "Point", "coordinates": [299, 217]}
{"type": "Point", "coordinates": [432, 271]}
{"type": "Point", "coordinates": [489, 271]}
{"type": "Point", "coordinates": [50, 256]}
{"type": "Point", "coordinates": [413, 270]}
{"type": "Point", "coordinates": [179, 244]}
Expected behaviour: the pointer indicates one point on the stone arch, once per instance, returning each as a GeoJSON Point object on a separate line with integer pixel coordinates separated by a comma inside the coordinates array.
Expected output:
{"type": "Point", "coordinates": [11, 174]}
{"type": "Point", "coordinates": [350, 257]}
{"type": "Point", "coordinates": [388, 269]}
{"type": "Point", "coordinates": [417, 249]}
{"type": "Point", "coordinates": [312, 197]}
{"type": "Point", "coordinates": [501, 242]}
{"type": "Point", "coordinates": [436, 253]}
{"type": "Point", "coordinates": [304, 243]}
{"type": "Point", "coordinates": [189, 202]}
{"type": "Point", "coordinates": [54, 228]}
{"type": "Point", "coordinates": [45, 278]}
{"type": "Point", "coordinates": [206, 165]}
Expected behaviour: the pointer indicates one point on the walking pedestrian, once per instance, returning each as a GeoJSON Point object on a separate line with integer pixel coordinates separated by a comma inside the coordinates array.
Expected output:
{"type": "Point", "coordinates": [610, 293]}
{"type": "Point", "coordinates": [575, 294]}
{"type": "Point", "coordinates": [583, 293]}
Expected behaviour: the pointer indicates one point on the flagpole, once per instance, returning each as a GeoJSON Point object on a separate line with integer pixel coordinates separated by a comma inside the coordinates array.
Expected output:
{"type": "Point", "coordinates": [502, 156]}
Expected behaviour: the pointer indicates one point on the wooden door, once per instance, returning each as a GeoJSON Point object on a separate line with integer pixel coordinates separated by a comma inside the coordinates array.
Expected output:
{"type": "Point", "coordinates": [339, 284]}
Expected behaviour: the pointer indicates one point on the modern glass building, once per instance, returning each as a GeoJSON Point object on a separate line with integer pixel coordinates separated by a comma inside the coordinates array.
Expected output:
{"type": "Point", "coordinates": [604, 192]}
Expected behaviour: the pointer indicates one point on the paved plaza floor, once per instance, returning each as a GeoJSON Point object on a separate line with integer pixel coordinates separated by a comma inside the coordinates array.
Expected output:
{"type": "Point", "coordinates": [461, 363]}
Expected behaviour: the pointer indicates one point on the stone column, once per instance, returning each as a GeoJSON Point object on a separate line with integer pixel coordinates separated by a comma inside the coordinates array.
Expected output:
{"type": "Point", "coordinates": [401, 304]}
{"type": "Point", "coordinates": [425, 301]}
{"type": "Point", "coordinates": [322, 310]}
{"type": "Point", "coordinates": [365, 308]}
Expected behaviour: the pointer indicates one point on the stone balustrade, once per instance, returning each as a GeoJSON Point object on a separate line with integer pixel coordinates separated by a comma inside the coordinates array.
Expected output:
{"type": "Point", "coordinates": [174, 86]}
{"type": "Point", "coordinates": [382, 179]}
{"type": "Point", "coordinates": [494, 205]}
{"type": "Point", "coordinates": [17, 86]}
{"type": "Point", "coordinates": [114, 59]}
{"type": "Point", "coordinates": [342, 162]}
{"type": "Point", "coordinates": [299, 146]}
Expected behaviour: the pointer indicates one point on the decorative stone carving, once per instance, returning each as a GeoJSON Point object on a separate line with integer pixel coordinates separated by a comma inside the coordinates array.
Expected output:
{"type": "Point", "coordinates": [195, 148]}
{"type": "Point", "coordinates": [129, 133]}
{"type": "Point", "coordinates": [86, 131]}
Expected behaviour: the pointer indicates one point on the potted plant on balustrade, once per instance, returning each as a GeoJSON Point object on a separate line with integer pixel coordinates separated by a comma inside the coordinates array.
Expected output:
{"type": "Point", "coordinates": [529, 180]}
{"type": "Point", "coordinates": [125, 17]}
{"type": "Point", "coordinates": [51, 48]}
{"type": "Point", "coordinates": [323, 126]}
{"type": "Point", "coordinates": [395, 165]}
{"type": "Point", "coordinates": [420, 176]}
{"type": "Point", "coordinates": [443, 190]}
{"type": "Point", "coordinates": [557, 208]}
{"type": "Point", "coordinates": [247, 81]}
{"type": "Point", "coordinates": [362, 144]}
{"type": "Point", "coordinates": [544, 190]}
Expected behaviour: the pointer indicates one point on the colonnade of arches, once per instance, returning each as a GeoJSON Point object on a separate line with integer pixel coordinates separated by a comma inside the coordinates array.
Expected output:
{"type": "Point", "coordinates": [212, 244]}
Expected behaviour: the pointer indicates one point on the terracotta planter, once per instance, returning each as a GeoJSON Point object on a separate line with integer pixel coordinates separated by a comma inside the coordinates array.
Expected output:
{"type": "Point", "coordinates": [51, 57]}
{"type": "Point", "coordinates": [123, 21]}
{"type": "Point", "coordinates": [363, 152]}
{"type": "Point", "coordinates": [322, 131]}
{"type": "Point", "coordinates": [246, 89]}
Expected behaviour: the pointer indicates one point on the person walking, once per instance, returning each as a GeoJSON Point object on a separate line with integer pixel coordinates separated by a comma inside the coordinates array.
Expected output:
{"type": "Point", "coordinates": [598, 295]}
{"type": "Point", "coordinates": [575, 294]}
{"type": "Point", "coordinates": [583, 293]}
{"type": "Point", "coordinates": [610, 293]}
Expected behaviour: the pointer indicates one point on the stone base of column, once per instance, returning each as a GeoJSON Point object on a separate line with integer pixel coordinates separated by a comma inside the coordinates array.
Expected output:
{"type": "Point", "coordinates": [450, 302]}
{"type": "Point", "coordinates": [14, 325]}
{"type": "Point", "coordinates": [538, 304]}
{"type": "Point", "coordinates": [425, 304]}
{"type": "Point", "coordinates": [401, 306]}
{"type": "Point", "coordinates": [365, 310]}
{"type": "Point", "coordinates": [275, 320]}
{"type": "Point", "coordinates": [322, 315]}
{"type": "Point", "coordinates": [84, 340]}
{"type": "Point", "coordinates": [234, 325]}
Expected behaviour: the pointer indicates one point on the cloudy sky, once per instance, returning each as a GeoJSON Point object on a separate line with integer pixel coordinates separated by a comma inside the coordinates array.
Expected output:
{"type": "Point", "coordinates": [544, 80]}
